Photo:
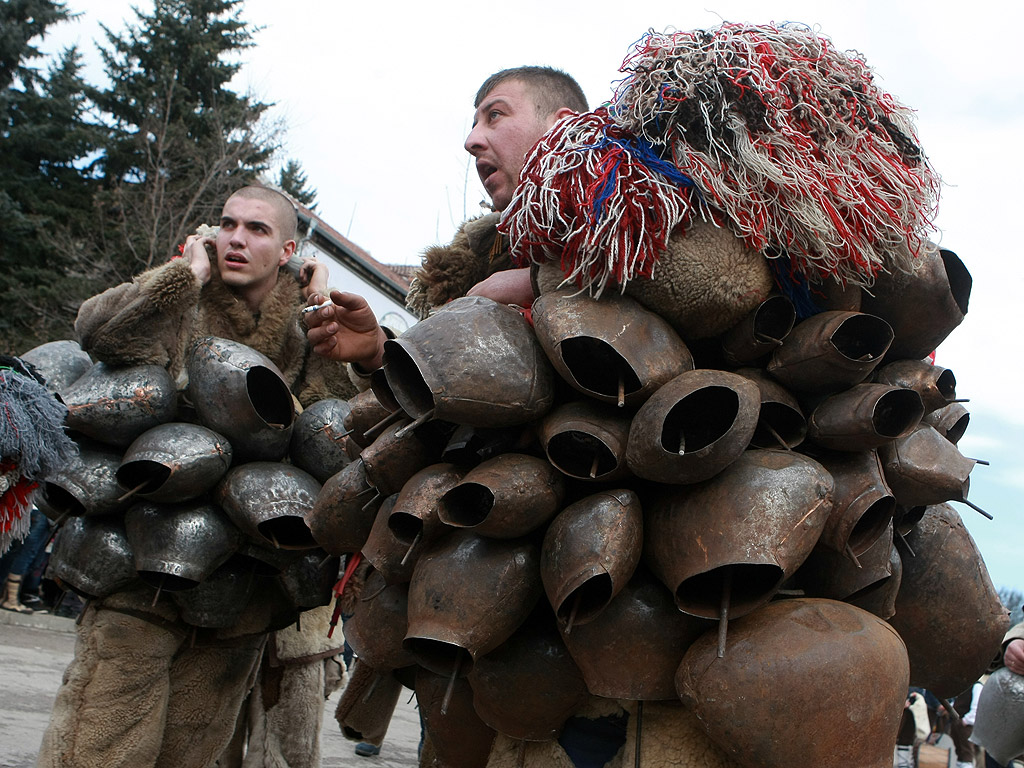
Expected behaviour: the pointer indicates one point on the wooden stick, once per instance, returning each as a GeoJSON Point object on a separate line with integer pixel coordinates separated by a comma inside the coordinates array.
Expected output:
{"type": "Point", "coordinates": [387, 421]}
{"type": "Point", "coordinates": [451, 685]}
{"type": "Point", "coordinates": [639, 729]}
{"type": "Point", "coordinates": [723, 612]}
{"type": "Point", "coordinates": [376, 495]}
{"type": "Point", "coordinates": [976, 508]}
{"type": "Point", "coordinates": [134, 490]}
{"type": "Point", "coordinates": [273, 539]}
{"type": "Point", "coordinates": [777, 436]}
{"type": "Point", "coordinates": [413, 424]}
{"type": "Point", "coordinates": [593, 467]}
{"type": "Point", "coordinates": [412, 546]}
{"type": "Point", "coordinates": [572, 613]}
{"type": "Point", "coordinates": [852, 556]}
{"type": "Point", "coordinates": [979, 461]}
{"type": "Point", "coordinates": [158, 589]}
{"type": "Point", "coordinates": [622, 390]}
{"type": "Point", "coordinates": [901, 537]}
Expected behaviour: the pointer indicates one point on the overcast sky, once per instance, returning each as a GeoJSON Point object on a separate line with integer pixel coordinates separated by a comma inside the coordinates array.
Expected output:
{"type": "Point", "coordinates": [377, 101]}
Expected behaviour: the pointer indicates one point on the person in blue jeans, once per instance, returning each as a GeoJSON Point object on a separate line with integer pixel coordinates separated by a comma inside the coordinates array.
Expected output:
{"type": "Point", "coordinates": [18, 561]}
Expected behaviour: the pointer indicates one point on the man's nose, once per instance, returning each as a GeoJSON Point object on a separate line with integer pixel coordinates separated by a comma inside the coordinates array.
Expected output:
{"type": "Point", "coordinates": [474, 142]}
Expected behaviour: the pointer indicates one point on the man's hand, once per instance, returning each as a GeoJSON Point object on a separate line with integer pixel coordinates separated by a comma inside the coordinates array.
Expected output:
{"type": "Point", "coordinates": [198, 257]}
{"type": "Point", "coordinates": [1013, 657]}
{"type": "Point", "coordinates": [313, 276]}
{"type": "Point", "coordinates": [509, 287]}
{"type": "Point", "coordinates": [346, 331]}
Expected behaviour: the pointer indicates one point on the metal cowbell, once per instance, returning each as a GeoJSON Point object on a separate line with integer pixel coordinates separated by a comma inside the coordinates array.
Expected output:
{"type": "Point", "coordinates": [693, 427]}
{"type": "Point", "coordinates": [759, 333]}
{"type": "Point", "coordinates": [505, 497]}
{"type": "Point", "coordinates": [864, 417]}
{"type": "Point", "coordinates": [309, 581]}
{"type": "Point", "coordinates": [831, 351]}
{"type": "Point", "coordinates": [86, 487]}
{"type": "Point", "coordinates": [395, 456]}
{"type": "Point", "coordinates": [473, 362]}
{"type": "Point", "coordinates": [459, 738]}
{"type": "Point", "coordinates": [92, 556]}
{"type": "Point", "coordinates": [377, 626]}
{"type": "Point", "coordinates": [174, 462]}
{"type": "Point", "coordinates": [950, 421]}
{"type": "Point", "coordinates": [366, 412]}
{"type": "Point", "coordinates": [1000, 704]}
{"type": "Point", "coordinates": [736, 534]}
{"type": "Point", "coordinates": [862, 504]}
{"type": "Point", "coordinates": [116, 405]}
{"type": "Point", "coordinates": [590, 552]}
{"type": "Point", "coordinates": [840, 671]}
{"type": "Point", "coordinates": [61, 363]}
{"type": "Point", "coordinates": [780, 420]}
{"type": "Point", "coordinates": [935, 385]}
{"type": "Point", "coordinates": [612, 349]}
{"type": "Point", "coordinates": [343, 512]}
{"type": "Point", "coordinates": [319, 437]}
{"type": "Point", "coordinates": [391, 558]}
{"type": "Point", "coordinates": [413, 520]}
{"type": "Point", "coordinates": [241, 394]}
{"type": "Point", "coordinates": [176, 546]}
{"type": "Point", "coordinates": [220, 599]}
{"type": "Point", "coordinates": [946, 593]}
{"type": "Point", "coordinates": [925, 468]}
{"type": "Point", "coordinates": [268, 501]}
{"type": "Point", "coordinates": [586, 440]}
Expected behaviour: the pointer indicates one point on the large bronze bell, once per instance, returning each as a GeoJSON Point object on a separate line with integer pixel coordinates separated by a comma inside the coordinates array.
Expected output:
{"type": "Point", "coordinates": [391, 558]}
{"type": "Point", "coordinates": [862, 504]}
{"type": "Point", "coordinates": [590, 552]}
{"type": "Point", "coordinates": [413, 520]}
{"type": "Point", "coordinates": [116, 405]}
{"type": "Point", "coordinates": [220, 599]}
{"type": "Point", "coordinates": [395, 456]}
{"type": "Point", "coordinates": [61, 363]}
{"type": "Point", "coordinates": [269, 500]}
{"type": "Point", "coordinates": [736, 535]}
{"type": "Point", "coordinates": [935, 385]}
{"type": "Point", "coordinates": [365, 414]}
{"type": "Point", "coordinates": [925, 468]}
{"type": "Point", "coordinates": [92, 556]}
{"type": "Point", "coordinates": [632, 649]}
{"type": "Point", "coordinates": [759, 333]}
{"type": "Point", "coordinates": [176, 546]}
{"type": "Point", "coordinates": [587, 441]}
{"type": "Point", "coordinates": [241, 394]}
{"type": "Point", "coordinates": [946, 593]}
{"type": "Point", "coordinates": [780, 421]}
{"type": "Point", "coordinates": [880, 598]}
{"type": "Point", "coordinates": [344, 510]}
{"type": "Point", "coordinates": [864, 417]}
{"type": "Point", "coordinates": [529, 685]}
{"type": "Point", "coordinates": [88, 486]}
{"type": "Point", "coordinates": [174, 462]}
{"type": "Point", "coordinates": [950, 421]}
{"type": "Point", "coordinates": [468, 594]}
{"type": "Point", "coordinates": [693, 427]}
{"type": "Point", "coordinates": [319, 437]}
{"type": "Point", "coordinates": [378, 625]}
{"type": "Point", "coordinates": [308, 582]}
{"type": "Point", "coordinates": [456, 735]}
{"type": "Point", "coordinates": [473, 362]}
{"type": "Point", "coordinates": [831, 351]}
{"type": "Point", "coordinates": [504, 497]}
{"type": "Point", "coordinates": [923, 308]}
{"type": "Point", "coordinates": [839, 672]}
{"type": "Point", "coordinates": [612, 349]}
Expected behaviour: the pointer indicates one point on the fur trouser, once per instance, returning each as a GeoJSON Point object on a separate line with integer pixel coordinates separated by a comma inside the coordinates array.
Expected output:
{"type": "Point", "coordinates": [137, 696]}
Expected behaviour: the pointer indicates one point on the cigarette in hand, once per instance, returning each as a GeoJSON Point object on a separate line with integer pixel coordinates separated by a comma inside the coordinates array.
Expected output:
{"type": "Point", "coordinates": [314, 308]}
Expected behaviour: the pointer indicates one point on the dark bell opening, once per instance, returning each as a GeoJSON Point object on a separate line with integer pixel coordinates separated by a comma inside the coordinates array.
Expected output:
{"type": "Point", "coordinates": [597, 367]}
{"type": "Point", "coordinates": [135, 473]}
{"type": "Point", "coordinates": [871, 525]}
{"type": "Point", "coordinates": [946, 384]}
{"type": "Point", "coordinates": [574, 453]}
{"type": "Point", "coordinates": [439, 657]}
{"type": "Point", "coordinates": [466, 505]}
{"type": "Point", "coordinates": [405, 527]}
{"type": "Point", "coordinates": [905, 520]}
{"type": "Point", "coordinates": [289, 532]}
{"type": "Point", "coordinates": [406, 382]}
{"type": "Point", "coordinates": [62, 501]}
{"type": "Point", "coordinates": [897, 412]}
{"type": "Point", "coordinates": [956, 431]}
{"type": "Point", "coordinates": [166, 582]}
{"type": "Point", "coordinates": [588, 600]}
{"type": "Point", "coordinates": [788, 423]}
{"type": "Point", "coordinates": [862, 337]}
{"type": "Point", "coordinates": [752, 584]}
{"type": "Point", "coordinates": [774, 319]}
{"type": "Point", "coordinates": [959, 279]}
{"type": "Point", "coordinates": [699, 419]}
{"type": "Point", "coordinates": [270, 397]}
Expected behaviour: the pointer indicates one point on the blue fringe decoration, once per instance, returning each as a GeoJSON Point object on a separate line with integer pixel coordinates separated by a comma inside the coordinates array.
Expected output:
{"type": "Point", "coordinates": [793, 286]}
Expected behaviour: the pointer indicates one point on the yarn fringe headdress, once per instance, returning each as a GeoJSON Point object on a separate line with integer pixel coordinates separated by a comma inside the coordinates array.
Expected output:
{"type": "Point", "coordinates": [787, 141]}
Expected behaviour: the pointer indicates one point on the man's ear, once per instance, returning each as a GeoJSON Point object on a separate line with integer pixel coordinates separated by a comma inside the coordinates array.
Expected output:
{"type": "Point", "coordinates": [557, 115]}
{"type": "Point", "coordinates": [286, 253]}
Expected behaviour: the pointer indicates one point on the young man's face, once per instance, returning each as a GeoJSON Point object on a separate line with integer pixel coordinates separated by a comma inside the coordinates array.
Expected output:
{"type": "Point", "coordinates": [505, 127]}
{"type": "Point", "coordinates": [250, 244]}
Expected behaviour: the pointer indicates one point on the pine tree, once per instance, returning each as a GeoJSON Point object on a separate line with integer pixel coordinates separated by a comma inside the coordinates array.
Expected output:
{"type": "Point", "coordinates": [293, 182]}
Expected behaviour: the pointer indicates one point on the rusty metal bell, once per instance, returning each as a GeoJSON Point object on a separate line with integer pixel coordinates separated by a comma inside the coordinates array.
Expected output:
{"type": "Point", "coordinates": [468, 594]}
{"type": "Point", "coordinates": [780, 421]}
{"type": "Point", "coordinates": [879, 598]}
{"type": "Point", "coordinates": [587, 441]}
{"type": "Point", "coordinates": [590, 552]}
{"type": "Point", "coordinates": [736, 533]}
{"type": "Point", "coordinates": [366, 412]}
{"type": "Point", "coordinates": [862, 504]}
{"type": "Point", "coordinates": [87, 486]}
{"type": "Point", "coordinates": [529, 685]}
{"type": "Point", "coordinates": [92, 556]}
{"type": "Point", "coordinates": [174, 462]}
{"type": "Point", "coordinates": [391, 558]}
{"type": "Point", "coordinates": [116, 405]}
{"type": "Point", "coordinates": [344, 510]}
{"type": "Point", "coordinates": [905, 518]}
{"type": "Point", "coordinates": [61, 363]}
{"type": "Point", "coordinates": [457, 735]}
{"type": "Point", "coordinates": [950, 421]}
{"type": "Point", "coordinates": [395, 456]}
{"type": "Point", "coordinates": [309, 580]}
{"type": "Point", "coordinates": [241, 394]}
{"type": "Point", "coordinates": [693, 427]}
{"type": "Point", "coordinates": [176, 546]}
{"type": "Point", "coordinates": [935, 385]}
{"type": "Point", "coordinates": [318, 438]}
{"type": "Point", "coordinates": [378, 624]}
{"type": "Point", "coordinates": [632, 649]}
{"type": "Point", "coordinates": [612, 349]}
{"type": "Point", "coordinates": [268, 500]}
{"type": "Point", "coordinates": [220, 599]}
{"type": "Point", "coordinates": [864, 417]}
{"type": "Point", "coordinates": [923, 308]}
{"type": "Point", "coordinates": [759, 333]}
{"type": "Point", "coordinates": [841, 671]}
{"type": "Point", "coordinates": [265, 560]}
{"type": "Point", "coordinates": [925, 468]}
{"type": "Point", "coordinates": [946, 593]}
{"type": "Point", "coordinates": [831, 351]}
{"type": "Point", "coordinates": [504, 497]}
{"type": "Point", "coordinates": [474, 362]}
{"type": "Point", "coordinates": [413, 520]}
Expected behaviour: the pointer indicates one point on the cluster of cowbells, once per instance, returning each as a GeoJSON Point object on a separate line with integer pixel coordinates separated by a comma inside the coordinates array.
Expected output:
{"type": "Point", "coordinates": [194, 498]}
{"type": "Point", "coordinates": [582, 503]}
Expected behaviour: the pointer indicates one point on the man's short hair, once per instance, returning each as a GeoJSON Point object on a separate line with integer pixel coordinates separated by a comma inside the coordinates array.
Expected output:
{"type": "Point", "coordinates": [551, 89]}
{"type": "Point", "coordinates": [288, 219]}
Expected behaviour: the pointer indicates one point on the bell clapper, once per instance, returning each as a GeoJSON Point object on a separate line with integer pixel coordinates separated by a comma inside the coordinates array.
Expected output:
{"type": "Point", "coordinates": [639, 730]}
{"type": "Point", "coordinates": [134, 490]}
{"type": "Point", "coordinates": [415, 541]}
{"type": "Point", "coordinates": [593, 467]}
{"type": "Point", "coordinates": [451, 684]}
{"type": "Point", "coordinates": [723, 612]}
{"type": "Point", "coordinates": [682, 444]}
{"type": "Point", "coordinates": [387, 421]}
{"type": "Point", "coordinates": [961, 400]}
{"type": "Point", "coordinates": [413, 424]}
{"type": "Point", "coordinates": [622, 390]}
{"type": "Point", "coordinates": [979, 461]}
{"type": "Point", "coordinates": [572, 613]}
{"type": "Point", "coordinates": [158, 590]}
{"type": "Point", "coordinates": [61, 519]}
{"type": "Point", "coordinates": [368, 504]}
{"type": "Point", "coordinates": [976, 508]}
{"type": "Point", "coordinates": [850, 554]}
{"type": "Point", "coordinates": [906, 543]}
{"type": "Point", "coordinates": [273, 539]}
{"type": "Point", "coordinates": [777, 436]}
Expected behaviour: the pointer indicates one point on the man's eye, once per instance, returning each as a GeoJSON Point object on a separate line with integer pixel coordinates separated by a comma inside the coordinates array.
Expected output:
{"type": "Point", "coordinates": [493, 114]}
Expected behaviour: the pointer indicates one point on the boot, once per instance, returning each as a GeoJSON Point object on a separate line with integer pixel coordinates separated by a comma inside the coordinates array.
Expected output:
{"type": "Point", "coordinates": [11, 601]}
